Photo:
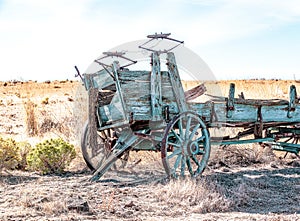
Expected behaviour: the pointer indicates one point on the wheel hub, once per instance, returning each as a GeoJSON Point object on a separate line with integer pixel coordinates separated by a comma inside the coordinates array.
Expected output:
{"type": "Point", "coordinates": [193, 148]}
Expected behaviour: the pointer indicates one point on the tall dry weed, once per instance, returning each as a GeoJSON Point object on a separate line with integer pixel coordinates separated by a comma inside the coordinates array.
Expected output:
{"type": "Point", "coordinates": [79, 111]}
{"type": "Point", "coordinates": [31, 121]}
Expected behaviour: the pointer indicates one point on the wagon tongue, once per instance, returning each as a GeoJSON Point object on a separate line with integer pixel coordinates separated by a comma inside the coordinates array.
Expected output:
{"type": "Point", "coordinates": [126, 141]}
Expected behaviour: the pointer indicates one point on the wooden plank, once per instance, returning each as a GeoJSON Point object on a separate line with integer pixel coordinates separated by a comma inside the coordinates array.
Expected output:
{"type": "Point", "coordinates": [195, 92]}
{"type": "Point", "coordinates": [155, 89]}
{"type": "Point", "coordinates": [230, 101]}
{"type": "Point", "coordinates": [247, 113]}
{"type": "Point", "coordinates": [280, 114]}
{"type": "Point", "coordinates": [176, 82]}
{"type": "Point", "coordinates": [119, 91]}
{"type": "Point", "coordinates": [105, 97]}
{"type": "Point", "coordinates": [241, 113]}
{"type": "Point", "coordinates": [203, 109]}
{"type": "Point", "coordinates": [92, 136]}
{"type": "Point", "coordinates": [125, 76]}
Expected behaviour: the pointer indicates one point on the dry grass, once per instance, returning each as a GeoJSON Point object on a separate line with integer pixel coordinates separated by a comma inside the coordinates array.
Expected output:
{"type": "Point", "coordinates": [31, 121]}
{"type": "Point", "coordinates": [197, 196]}
{"type": "Point", "coordinates": [59, 109]}
{"type": "Point", "coordinates": [241, 155]}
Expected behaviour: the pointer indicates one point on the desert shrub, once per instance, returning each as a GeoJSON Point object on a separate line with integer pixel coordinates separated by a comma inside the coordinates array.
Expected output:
{"type": "Point", "coordinates": [23, 150]}
{"type": "Point", "coordinates": [9, 154]}
{"type": "Point", "coordinates": [45, 100]}
{"type": "Point", "coordinates": [51, 156]}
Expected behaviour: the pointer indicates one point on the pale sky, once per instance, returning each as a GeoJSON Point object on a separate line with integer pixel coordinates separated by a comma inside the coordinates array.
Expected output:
{"type": "Point", "coordinates": [238, 39]}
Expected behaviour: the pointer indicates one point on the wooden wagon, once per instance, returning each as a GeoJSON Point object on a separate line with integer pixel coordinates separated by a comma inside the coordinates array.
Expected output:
{"type": "Point", "coordinates": [149, 110]}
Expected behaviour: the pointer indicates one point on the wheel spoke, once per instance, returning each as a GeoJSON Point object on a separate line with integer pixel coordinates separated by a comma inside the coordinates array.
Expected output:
{"type": "Point", "coordinates": [174, 144]}
{"type": "Point", "coordinates": [189, 165]}
{"type": "Point", "coordinates": [109, 133]}
{"type": "Point", "coordinates": [176, 135]}
{"type": "Point", "coordinates": [200, 139]}
{"type": "Point", "coordinates": [195, 160]}
{"type": "Point", "coordinates": [176, 164]}
{"type": "Point", "coordinates": [288, 140]}
{"type": "Point", "coordinates": [187, 129]}
{"type": "Point", "coordinates": [295, 140]}
{"type": "Point", "coordinates": [182, 166]}
{"type": "Point", "coordinates": [194, 131]}
{"type": "Point", "coordinates": [202, 152]}
{"type": "Point", "coordinates": [175, 152]}
{"type": "Point", "coordinates": [180, 128]}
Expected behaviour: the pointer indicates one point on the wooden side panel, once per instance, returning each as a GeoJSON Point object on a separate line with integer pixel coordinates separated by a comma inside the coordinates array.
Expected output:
{"type": "Point", "coordinates": [203, 109]}
{"type": "Point", "coordinates": [280, 114]}
{"type": "Point", "coordinates": [241, 113]}
{"type": "Point", "coordinates": [136, 87]}
{"type": "Point", "coordinates": [249, 113]}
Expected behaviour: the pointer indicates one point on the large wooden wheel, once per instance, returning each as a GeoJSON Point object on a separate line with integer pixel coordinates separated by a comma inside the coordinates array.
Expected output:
{"type": "Point", "coordinates": [95, 156]}
{"type": "Point", "coordinates": [185, 145]}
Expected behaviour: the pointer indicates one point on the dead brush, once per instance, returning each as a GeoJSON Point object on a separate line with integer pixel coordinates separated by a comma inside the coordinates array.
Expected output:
{"type": "Point", "coordinates": [241, 155]}
{"type": "Point", "coordinates": [199, 196]}
{"type": "Point", "coordinates": [54, 207]}
{"type": "Point", "coordinates": [31, 121]}
{"type": "Point", "coordinates": [59, 122]}
{"type": "Point", "coordinates": [108, 202]}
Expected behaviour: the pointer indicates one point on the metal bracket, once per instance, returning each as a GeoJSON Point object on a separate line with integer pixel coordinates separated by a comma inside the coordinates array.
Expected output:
{"type": "Point", "coordinates": [157, 37]}
{"type": "Point", "coordinates": [112, 54]}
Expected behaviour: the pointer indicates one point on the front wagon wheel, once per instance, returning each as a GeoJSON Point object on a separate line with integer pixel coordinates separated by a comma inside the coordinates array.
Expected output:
{"type": "Point", "coordinates": [95, 156]}
{"type": "Point", "coordinates": [185, 146]}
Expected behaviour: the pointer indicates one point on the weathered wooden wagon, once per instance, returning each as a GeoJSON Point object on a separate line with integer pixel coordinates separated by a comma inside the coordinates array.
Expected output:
{"type": "Point", "coordinates": [149, 110]}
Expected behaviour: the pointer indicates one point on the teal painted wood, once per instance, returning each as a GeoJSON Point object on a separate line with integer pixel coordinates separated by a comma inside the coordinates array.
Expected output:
{"type": "Point", "coordinates": [136, 87]}
{"type": "Point", "coordinates": [287, 147]}
{"type": "Point", "coordinates": [203, 109]}
{"type": "Point", "coordinates": [119, 99]}
{"type": "Point", "coordinates": [280, 114]}
{"type": "Point", "coordinates": [141, 95]}
{"type": "Point", "coordinates": [240, 113]}
{"type": "Point", "coordinates": [248, 141]}
{"type": "Point", "coordinates": [247, 113]}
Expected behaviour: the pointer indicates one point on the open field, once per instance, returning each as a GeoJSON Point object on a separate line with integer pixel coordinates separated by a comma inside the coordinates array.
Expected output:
{"type": "Point", "coordinates": [240, 182]}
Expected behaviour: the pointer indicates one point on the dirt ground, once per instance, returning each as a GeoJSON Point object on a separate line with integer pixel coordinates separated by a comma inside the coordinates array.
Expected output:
{"type": "Point", "coordinates": [260, 192]}
{"type": "Point", "coordinates": [262, 186]}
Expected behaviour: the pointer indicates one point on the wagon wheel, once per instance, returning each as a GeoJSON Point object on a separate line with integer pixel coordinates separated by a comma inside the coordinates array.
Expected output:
{"type": "Point", "coordinates": [289, 135]}
{"type": "Point", "coordinates": [106, 139]}
{"type": "Point", "coordinates": [185, 145]}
